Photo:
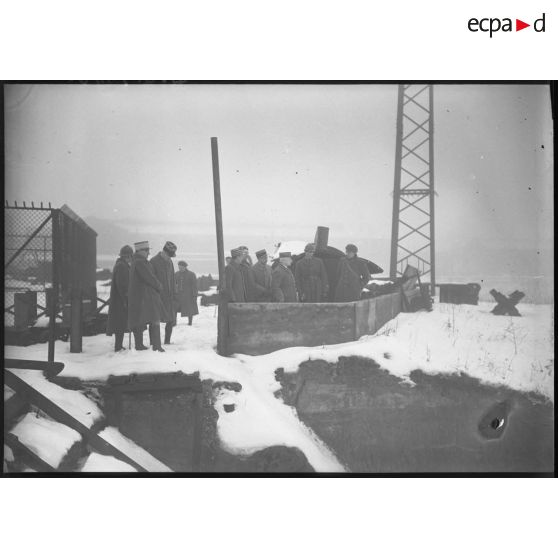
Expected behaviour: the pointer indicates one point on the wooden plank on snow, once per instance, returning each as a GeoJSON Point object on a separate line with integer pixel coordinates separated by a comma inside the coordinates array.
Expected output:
{"type": "Point", "coordinates": [60, 415]}
{"type": "Point", "coordinates": [51, 368]}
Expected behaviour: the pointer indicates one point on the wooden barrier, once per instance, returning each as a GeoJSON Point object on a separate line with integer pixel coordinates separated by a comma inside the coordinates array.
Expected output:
{"type": "Point", "coordinates": [261, 328]}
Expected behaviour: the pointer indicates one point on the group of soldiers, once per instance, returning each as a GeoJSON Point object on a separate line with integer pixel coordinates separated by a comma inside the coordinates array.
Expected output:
{"type": "Point", "coordinates": [147, 292]}
{"type": "Point", "coordinates": [261, 282]}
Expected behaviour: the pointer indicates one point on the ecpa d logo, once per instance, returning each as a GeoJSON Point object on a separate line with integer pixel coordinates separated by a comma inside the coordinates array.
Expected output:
{"type": "Point", "coordinates": [492, 25]}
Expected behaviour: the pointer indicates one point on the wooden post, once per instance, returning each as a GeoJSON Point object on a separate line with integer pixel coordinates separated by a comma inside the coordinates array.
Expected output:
{"type": "Point", "coordinates": [75, 322]}
{"type": "Point", "coordinates": [222, 317]}
{"type": "Point", "coordinates": [53, 293]}
{"type": "Point", "coordinates": [21, 311]}
{"type": "Point", "coordinates": [432, 193]}
{"type": "Point", "coordinates": [52, 311]}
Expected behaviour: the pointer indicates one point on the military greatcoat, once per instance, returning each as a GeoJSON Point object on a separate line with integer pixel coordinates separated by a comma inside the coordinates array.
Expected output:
{"type": "Point", "coordinates": [118, 301]}
{"type": "Point", "coordinates": [283, 285]}
{"type": "Point", "coordinates": [352, 276]}
{"type": "Point", "coordinates": [164, 271]}
{"type": "Point", "coordinates": [311, 279]}
{"type": "Point", "coordinates": [144, 300]}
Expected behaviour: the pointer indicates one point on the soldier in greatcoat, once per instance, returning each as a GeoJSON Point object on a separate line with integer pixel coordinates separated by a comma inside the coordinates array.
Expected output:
{"type": "Point", "coordinates": [164, 271]}
{"type": "Point", "coordinates": [311, 277]}
{"type": "Point", "coordinates": [262, 277]}
{"type": "Point", "coordinates": [234, 281]}
{"type": "Point", "coordinates": [144, 300]}
{"type": "Point", "coordinates": [283, 284]}
{"type": "Point", "coordinates": [248, 275]}
{"type": "Point", "coordinates": [186, 291]}
{"type": "Point", "coordinates": [118, 300]}
{"type": "Point", "coordinates": [352, 276]}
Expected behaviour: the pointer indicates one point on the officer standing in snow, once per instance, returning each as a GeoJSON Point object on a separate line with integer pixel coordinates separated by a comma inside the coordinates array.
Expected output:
{"type": "Point", "coordinates": [186, 292]}
{"type": "Point", "coordinates": [118, 302]}
{"type": "Point", "coordinates": [282, 280]}
{"type": "Point", "coordinates": [144, 300]}
{"type": "Point", "coordinates": [164, 271]}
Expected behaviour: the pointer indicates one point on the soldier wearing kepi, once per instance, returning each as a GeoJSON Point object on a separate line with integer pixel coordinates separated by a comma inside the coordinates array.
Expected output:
{"type": "Point", "coordinates": [118, 301]}
{"type": "Point", "coordinates": [262, 277]}
{"type": "Point", "coordinates": [164, 271]}
{"type": "Point", "coordinates": [186, 292]}
{"type": "Point", "coordinates": [282, 280]}
{"type": "Point", "coordinates": [144, 300]}
{"type": "Point", "coordinates": [234, 282]}
{"type": "Point", "coordinates": [352, 276]}
{"type": "Point", "coordinates": [311, 277]}
{"type": "Point", "coordinates": [248, 275]}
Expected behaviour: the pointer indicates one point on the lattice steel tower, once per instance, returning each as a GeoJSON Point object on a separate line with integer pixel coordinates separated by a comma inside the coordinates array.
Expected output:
{"type": "Point", "coordinates": [412, 234]}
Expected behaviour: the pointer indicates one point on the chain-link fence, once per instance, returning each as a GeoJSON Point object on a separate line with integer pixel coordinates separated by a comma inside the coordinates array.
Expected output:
{"type": "Point", "coordinates": [28, 257]}
{"type": "Point", "coordinates": [49, 254]}
{"type": "Point", "coordinates": [27, 249]}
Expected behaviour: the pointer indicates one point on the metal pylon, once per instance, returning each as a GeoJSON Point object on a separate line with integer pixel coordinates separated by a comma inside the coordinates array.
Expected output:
{"type": "Point", "coordinates": [412, 234]}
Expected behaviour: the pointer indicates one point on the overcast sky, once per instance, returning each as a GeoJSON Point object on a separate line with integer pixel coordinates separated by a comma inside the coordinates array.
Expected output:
{"type": "Point", "coordinates": [291, 156]}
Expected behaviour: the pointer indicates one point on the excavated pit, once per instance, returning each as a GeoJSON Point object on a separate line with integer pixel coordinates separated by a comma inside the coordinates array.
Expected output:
{"type": "Point", "coordinates": [376, 423]}
{"type": "Point", "coordinates": [173, 417]}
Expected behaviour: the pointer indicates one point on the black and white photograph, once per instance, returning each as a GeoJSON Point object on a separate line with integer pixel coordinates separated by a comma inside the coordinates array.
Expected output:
{"type": "Point", "coordinates": [278, 278]}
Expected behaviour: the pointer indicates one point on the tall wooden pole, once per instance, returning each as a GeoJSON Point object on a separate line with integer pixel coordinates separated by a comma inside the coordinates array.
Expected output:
{"type": "Point", "coordinates": [54, 292]}
{"type": "Point", "coordinates": [432, 194]}
{"type": "Point", "coordinates": [222, 318]}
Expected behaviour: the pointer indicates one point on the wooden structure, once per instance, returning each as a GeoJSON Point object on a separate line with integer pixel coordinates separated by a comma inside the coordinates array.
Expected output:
{"type": "Point", "coordinates": [506, 304]}
{"type": "Point", "coordinates": [26, 394]}
{"type": "Point", "coordinates": [261, 328]}
{"type": "Point", "coordinates": [52, 252]}
{"type": "Point", "coordinates": [455, 293]}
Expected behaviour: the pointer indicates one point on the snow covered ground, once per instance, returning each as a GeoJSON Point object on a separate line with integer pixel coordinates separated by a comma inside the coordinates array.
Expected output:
{"type": "Point", "coordinates": [49, 439]}
{"type": "Point", "coordinates": [517, 352]}
{"type": "Point", "coordinates": [97, 463]}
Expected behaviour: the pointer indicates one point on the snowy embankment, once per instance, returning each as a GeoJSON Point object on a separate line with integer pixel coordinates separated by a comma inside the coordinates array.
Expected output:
{"type": "Point", "coordinates": [512, 351]}
{"type": "Point", "coordinates": [48, 439]}
{"type": "Point", "coordinates": [517, 352]}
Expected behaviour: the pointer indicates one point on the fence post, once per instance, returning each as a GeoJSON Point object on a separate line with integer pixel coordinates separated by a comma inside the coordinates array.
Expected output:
{"type": "Point", "coordinates": [21, 311]}
{"type": "Point", "coordinates": [76, 322]}
{"type": "Point", "coordinates": [51, 310]}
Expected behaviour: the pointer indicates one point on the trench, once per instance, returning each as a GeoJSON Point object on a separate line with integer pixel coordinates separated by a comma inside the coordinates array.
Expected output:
{"type": "Point", "coordinates": [376, 423]}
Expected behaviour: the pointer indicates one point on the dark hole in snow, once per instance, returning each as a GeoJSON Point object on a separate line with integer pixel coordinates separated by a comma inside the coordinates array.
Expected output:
{"type": "Point", "coordinates": [229, 407]}
{"type": "Point", "coordinates": [387, 355]}
{"type": "Point", "coordinates": [497, 423]}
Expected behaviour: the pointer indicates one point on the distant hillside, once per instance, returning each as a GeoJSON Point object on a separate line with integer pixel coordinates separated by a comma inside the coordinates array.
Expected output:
{"type": "Point", "coordinates": [467, 257]}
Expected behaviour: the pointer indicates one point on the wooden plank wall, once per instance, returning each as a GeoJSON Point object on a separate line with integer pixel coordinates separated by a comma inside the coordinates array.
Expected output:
{"type": "Point", "coordinates": [257, 329]}
{"type": "Point", "coordinates": [261, 328]}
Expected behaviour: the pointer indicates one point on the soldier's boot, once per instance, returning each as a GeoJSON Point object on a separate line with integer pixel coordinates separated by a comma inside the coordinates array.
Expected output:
{"type": "Point", "coordinates": [168, 333]}
{"type": "Point", "coordinates": [155, 331]}
{"type": "Point", "coordinates": [190, 318]}
{"type": "Point", "coordinates": [138, 340]}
